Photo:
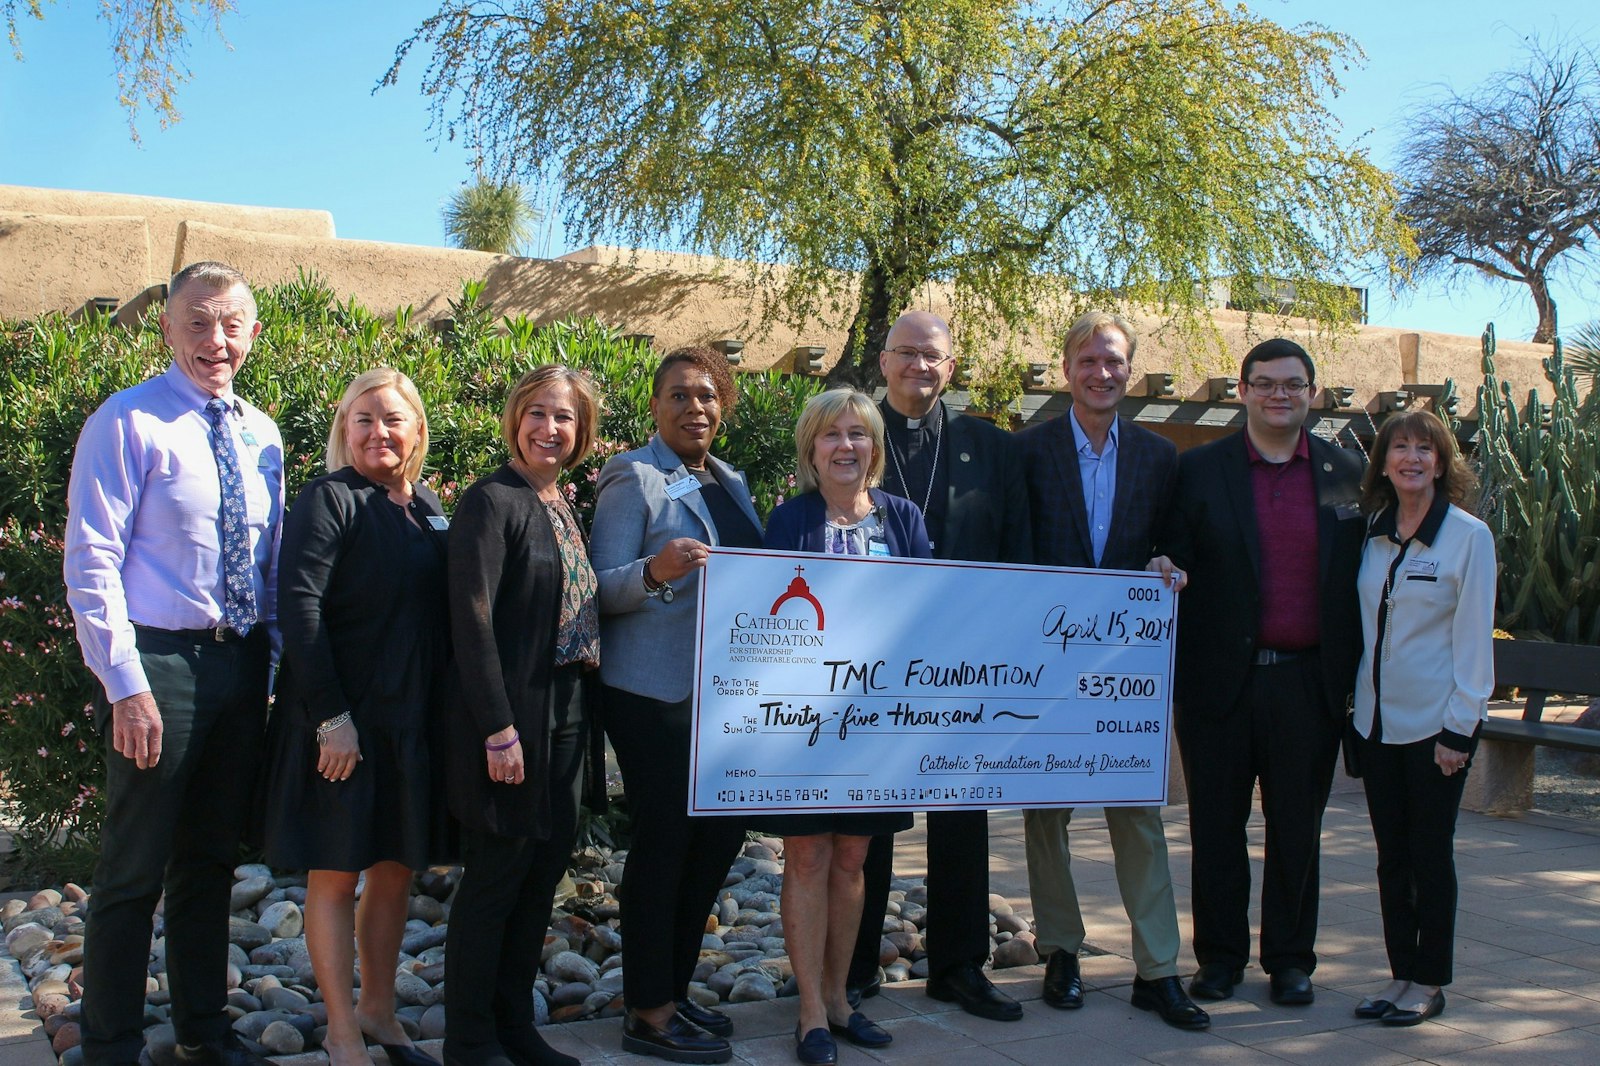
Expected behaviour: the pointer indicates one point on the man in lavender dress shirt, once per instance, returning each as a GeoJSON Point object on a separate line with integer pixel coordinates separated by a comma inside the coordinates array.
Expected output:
{"type": "Point", "coordinates": [174, 604]}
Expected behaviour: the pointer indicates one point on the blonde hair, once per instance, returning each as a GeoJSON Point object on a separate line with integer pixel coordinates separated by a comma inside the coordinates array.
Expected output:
{"type": "Point", "coordinates": [822, 411]}
{"type": "Point", "coordinates": [585, 404]}
{"type": "Point", "coordinates": [1092, 322]}
{"type": "Point", "coordinates": [339, 455]}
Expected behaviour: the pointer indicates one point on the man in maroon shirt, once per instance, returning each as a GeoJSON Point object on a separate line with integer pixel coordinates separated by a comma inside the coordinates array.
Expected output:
{"type": "Point", "coordinates": [1266, 524]}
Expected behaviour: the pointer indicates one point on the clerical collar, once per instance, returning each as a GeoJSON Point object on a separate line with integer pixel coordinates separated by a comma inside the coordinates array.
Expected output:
{"type": "Point", "coordinates": [929, 421]}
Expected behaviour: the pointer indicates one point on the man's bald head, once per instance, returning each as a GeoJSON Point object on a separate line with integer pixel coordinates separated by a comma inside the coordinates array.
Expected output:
{"type": "Point", "coordinates": [916, 362]}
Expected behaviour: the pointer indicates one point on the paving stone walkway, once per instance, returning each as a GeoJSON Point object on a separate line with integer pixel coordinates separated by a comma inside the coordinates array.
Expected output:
{"type": "Point", "coordinates": [1527, 987]}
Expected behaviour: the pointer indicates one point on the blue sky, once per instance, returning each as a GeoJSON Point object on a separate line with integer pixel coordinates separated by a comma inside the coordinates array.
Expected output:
{"type": "Point", "coordinates": [288, 118]}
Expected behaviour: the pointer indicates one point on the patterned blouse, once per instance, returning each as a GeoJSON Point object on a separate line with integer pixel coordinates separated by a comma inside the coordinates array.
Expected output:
{"type": "Point", "coordinates": [578, 633]}
{"type": "Point", "coordinates": [855, 539]}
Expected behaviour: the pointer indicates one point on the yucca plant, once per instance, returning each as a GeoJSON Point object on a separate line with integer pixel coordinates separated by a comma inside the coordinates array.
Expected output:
{"type": "Point", "coordinates": [489, 216]}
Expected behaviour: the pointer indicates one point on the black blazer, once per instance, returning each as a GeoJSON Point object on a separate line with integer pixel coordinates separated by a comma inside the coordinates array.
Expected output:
{"type": "Point", "coordinates": [1211, 533]}
{"type": "Point", "coordinates": [505, 605]}
{"type": "Point", "coordinates": [336, 580]}
{"type": "Point", "coordinates": [986, 515]}
{"type": "Point", "coordinates": [1147, 469]}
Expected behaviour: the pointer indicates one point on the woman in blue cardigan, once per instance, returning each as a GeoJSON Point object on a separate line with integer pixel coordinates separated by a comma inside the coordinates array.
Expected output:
{"type": "Point", "coordinates": [840, 511]}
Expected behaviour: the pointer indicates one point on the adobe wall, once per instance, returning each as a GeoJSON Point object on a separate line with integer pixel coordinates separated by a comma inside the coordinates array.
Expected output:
{"type": "Point", "coordinates": [56, 262]}
{"type": "Point", "coordinates": [59, 248]}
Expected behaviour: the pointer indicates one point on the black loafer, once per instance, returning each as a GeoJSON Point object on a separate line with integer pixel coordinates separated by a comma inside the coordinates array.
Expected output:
{"type": "Point", "coordinates": [1063, 985]}
{"type": "Point", "coordinates": [966, 985]}
{"type": "Point", "coordinates": [1434, 1006]}
{"type": "Point", "coordinates": [1370, 1009]}
{"type": "Point", "coordinates": [525, 1047]}
{"type": "Point", "coordinates": [712, 1021]}
{"type": "Point", "coordinates": [854, 994]}
{"type": "Point", "coordinates": [1165, 996]}
{"type": "Point", "coordinates": [1292, 988]}
{"type": "Point", "coordinates": [407, 1055]}
{"type": "Point", "coordinates": [862, 1031]}
{"type": "Point", "coordinates": [227, 1050]}
{"type": "Point", "coordinates": [1215, 980]}
{"type": "Point", "coordinates": [678, 1040]}
{"type": "Point", "coordinates": [816, 1048]}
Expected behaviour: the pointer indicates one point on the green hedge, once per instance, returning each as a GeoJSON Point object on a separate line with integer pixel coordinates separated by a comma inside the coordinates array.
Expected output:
{"type": "Point", "coordinates": [56, 371]}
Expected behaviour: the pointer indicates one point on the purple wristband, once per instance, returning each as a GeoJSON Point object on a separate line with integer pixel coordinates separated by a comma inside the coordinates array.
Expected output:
{"type": "Point", "coordinates": [515, 737]}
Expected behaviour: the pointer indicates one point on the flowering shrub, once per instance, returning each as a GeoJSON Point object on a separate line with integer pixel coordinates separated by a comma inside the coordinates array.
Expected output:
{"type": "Point", "coordinates": [58, 370]}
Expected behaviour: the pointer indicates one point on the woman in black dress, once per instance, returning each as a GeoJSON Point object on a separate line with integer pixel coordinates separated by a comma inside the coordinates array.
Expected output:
{"type": "Point", "coordinates": [361, 602]}
{"type": "Point", "coordinates": [526, 619]}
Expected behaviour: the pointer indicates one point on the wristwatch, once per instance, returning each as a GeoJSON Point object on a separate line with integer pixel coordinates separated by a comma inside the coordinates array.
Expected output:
{"type": "Point", "coordinates": [662, 590]}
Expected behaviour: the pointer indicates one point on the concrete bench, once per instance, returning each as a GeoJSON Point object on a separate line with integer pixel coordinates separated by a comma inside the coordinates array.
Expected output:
{"type": "Point", "coordinates": [1501, 781]}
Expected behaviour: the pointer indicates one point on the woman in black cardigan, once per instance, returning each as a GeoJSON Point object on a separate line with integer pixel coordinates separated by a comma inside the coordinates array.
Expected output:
{"type": "Point", "coordinates": [361, 603]}
{"type": "Point", "coordinates": [525, 617]}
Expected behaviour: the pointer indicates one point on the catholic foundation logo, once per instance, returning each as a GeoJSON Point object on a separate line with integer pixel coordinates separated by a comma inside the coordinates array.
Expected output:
{"type": "Point", "coordinates": [790, 628]}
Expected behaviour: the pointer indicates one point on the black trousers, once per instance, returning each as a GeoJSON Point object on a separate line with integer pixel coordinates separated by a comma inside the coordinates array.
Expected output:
{"type": "Point", "coordinates": [677, 864]}
{"type": "Point", "coordinates": [1413, 808]}
{"type": "Point", "coordinates": [958, 895]}
{"type": "Point", "coordinates": [174, 828]}
{"type": "Point", "coordinates": [1281, 734]}
{"type": "Point", "coordinates": [502, 906]}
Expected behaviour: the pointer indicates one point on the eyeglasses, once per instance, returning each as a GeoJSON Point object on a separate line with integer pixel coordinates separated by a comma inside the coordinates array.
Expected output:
{"type": "Point", "coordinates": [932, 356]}
{"type": "Point", "coordinates": [1274, 388]}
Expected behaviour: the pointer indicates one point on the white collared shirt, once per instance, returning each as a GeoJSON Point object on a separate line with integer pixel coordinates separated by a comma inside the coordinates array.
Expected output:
{"type": "Point", "coordinates": [1439, 668]}
{"type": "Point", "coordinates": [144, 531]}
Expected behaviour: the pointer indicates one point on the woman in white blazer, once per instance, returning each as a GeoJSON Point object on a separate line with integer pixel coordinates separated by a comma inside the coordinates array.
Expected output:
{"type": "Point", "coordinates": [1427, 588]}
{"type": "Point", "coordinates": [659, 510]}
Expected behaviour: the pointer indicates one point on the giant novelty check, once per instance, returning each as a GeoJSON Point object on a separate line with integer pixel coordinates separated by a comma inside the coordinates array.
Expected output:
{"type": "Point", "coordinates": [828, 683]}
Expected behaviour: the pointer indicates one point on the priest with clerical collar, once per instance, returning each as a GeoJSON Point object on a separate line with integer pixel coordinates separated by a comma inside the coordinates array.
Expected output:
{"type": "Point", "coordinates": [963, 473]}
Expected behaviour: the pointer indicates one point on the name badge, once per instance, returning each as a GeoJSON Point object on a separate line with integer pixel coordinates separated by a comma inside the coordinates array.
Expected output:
{"type": "Point", "coordinates": [1422, 568]}
{"type": "Point", "coordinates": [248, 438]}
{"type": "Point", "coordinates": [439, 522]}
{"type": "Point", "coordinates": [878, 548]}
{"type": "Point", "coordinates": [677, 490]}
{"type": "Point", "coordinates": [1345, 511]}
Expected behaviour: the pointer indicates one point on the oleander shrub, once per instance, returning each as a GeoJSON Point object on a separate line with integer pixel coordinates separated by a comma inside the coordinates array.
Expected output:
{"type": "Point", "coordinates": [57, 370]}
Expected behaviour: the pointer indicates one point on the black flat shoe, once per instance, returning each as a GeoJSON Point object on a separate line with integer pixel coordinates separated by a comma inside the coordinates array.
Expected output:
{"type": "Point", "coordinates": [1215, 980]}
{"type": "Point", "coordinates": [854, 994]}
{"type": "Point", "coordinates": [1434, 1006]}
{"type": "Point", "coordinates": [712, 1021]}
{"type": "Point", "coordinates": [525, 1047]}
{"type": "Point", "coordinates": [1371, 1009]}
{"type": "Point", "coordinates": [1292, 988]}
{"type": "Point", "coordinates": [966, 985]}
{"type": "Point", "coordinates": [1165, 996]}
{"type": "Point", "coordinates": [1063, 984]}
{"type": "Point", "coordinates": [408, 1055]}
{"type": "Point", "coordinates": [816, 1048]}
{"type": "Point", "coordinates": [862, 1031]}
{"type": "Point", "coordinates": [676, 1040]}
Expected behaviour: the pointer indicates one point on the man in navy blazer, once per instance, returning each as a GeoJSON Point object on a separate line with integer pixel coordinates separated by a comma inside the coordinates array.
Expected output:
{"type": "Point", "coordinates": [1098, 490]}
{"type": "Point", "coordinates": [1267, 524]}
{"type": "Point", "coordinates": [963, 475]}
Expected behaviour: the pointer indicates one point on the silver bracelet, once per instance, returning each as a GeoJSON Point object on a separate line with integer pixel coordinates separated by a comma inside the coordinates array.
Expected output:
{"type": "Point", "coordinates": [330, 725]}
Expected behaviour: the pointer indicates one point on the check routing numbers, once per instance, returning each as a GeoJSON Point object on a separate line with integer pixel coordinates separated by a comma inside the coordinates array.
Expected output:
{"type": "Point", "coordinates": [1038, 691]}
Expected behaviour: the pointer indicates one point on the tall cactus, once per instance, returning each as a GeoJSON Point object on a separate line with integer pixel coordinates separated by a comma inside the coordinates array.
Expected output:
{"type": "Point", "coordinates": [1539, 469]}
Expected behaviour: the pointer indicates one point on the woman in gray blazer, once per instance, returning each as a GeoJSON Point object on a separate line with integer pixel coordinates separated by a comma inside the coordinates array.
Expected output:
{"type": "Point", "coordinates": [659, 510]}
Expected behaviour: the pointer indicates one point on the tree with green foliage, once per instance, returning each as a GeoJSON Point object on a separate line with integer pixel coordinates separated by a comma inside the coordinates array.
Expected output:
{"type": "Point", "coordinates": [1504, 181]}
{"type": "Point", "coordinates": [489, 216]}
{"type": "Point", "coordinates": [856, 151]}
{"type": "Point", "coordinates": [148, 39]}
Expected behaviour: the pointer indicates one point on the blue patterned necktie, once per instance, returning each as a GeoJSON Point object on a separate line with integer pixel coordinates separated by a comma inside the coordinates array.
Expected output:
{"type": "Point", "coordinates": [239, 589]}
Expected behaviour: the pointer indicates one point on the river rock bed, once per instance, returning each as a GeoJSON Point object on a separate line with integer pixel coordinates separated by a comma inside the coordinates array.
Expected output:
{"type": "Point", "coordinates": [273, 994]}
